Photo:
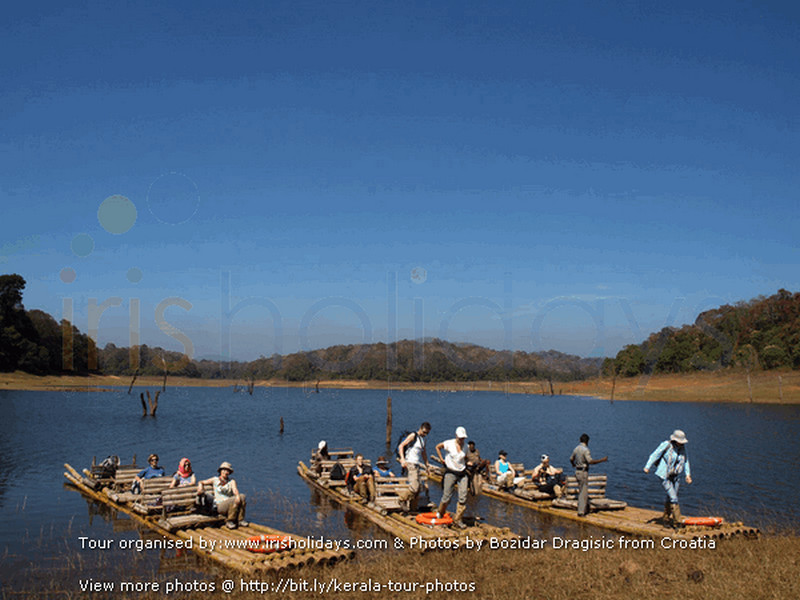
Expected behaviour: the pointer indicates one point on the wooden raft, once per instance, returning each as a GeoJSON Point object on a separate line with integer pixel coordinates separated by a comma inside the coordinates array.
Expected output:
{"type": "Point", "coordinates": [229, 545]}
{"type": "Point", "coordinates": [400, 525]}
{"type": "Point", "coordinates": [630, 520]}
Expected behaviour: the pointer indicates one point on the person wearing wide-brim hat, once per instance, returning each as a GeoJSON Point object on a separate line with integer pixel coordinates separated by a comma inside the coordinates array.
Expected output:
{"type": "Point", "coordinates": [671, 461]}
{"type": "Point", "coordinates": [382, 467]}
{"type": "Point", "coordinates": [226, 497]}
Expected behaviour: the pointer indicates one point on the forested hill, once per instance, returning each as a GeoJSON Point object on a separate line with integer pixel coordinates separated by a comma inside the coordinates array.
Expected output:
{"type": "Point", "coordinates": [34, 342]}
{"type": "Point", "coordinates": [423, 361]}
{"type": "Point", "coordinates": [762, 333]}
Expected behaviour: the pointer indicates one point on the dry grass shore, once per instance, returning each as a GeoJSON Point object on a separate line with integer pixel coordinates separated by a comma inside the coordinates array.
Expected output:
{"type": "Point", "coordinates": [780, 387]}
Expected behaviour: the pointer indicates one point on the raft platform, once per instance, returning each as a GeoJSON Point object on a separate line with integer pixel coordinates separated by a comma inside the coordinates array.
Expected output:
{"type": "Point", "coordinates": [629, 520]}
{"type": "Point", "coordinates": [387, 514]}
{"type": "Point", "coordinates": [205, 535]}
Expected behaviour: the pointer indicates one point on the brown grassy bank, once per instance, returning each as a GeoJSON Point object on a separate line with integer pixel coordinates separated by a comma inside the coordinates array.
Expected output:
{"type": "Point", "coordinates": [765, 568]}
{"type": "Point", "coordinates": [728, 386]}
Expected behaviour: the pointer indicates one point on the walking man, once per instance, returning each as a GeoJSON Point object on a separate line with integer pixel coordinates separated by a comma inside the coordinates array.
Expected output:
{"type": "Point", "coordinates": [581, 459]}
{"type": "Point", "coordinates": [671, 460]}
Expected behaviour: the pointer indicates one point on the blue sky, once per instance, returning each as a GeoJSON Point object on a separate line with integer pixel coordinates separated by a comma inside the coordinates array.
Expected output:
{"type": "Point", "coordinates": [530, 175]}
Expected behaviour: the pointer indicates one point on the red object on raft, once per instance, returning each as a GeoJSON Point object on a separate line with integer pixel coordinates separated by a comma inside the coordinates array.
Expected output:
{"type": "Point", "coordinates": [704, 521]}
{"type": "Point", "coordinates": [430, 518]}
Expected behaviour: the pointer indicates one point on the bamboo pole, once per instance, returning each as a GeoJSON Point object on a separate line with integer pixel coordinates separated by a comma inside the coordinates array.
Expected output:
{"type": "Point", "coordinates": [389, 426]}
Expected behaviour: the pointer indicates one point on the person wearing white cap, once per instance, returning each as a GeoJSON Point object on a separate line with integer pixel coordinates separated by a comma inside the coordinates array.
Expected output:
{"type": "Point", "coordinates": [455, 462]}
{"type": "Point", "coordinates": [671, 461]}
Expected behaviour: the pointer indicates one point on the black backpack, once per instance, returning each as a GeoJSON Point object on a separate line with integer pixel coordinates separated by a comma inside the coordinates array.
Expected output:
{"type": "Point", "coordinates": [337, 472]}
{"type": "Point", "coordinates": [108, 467]}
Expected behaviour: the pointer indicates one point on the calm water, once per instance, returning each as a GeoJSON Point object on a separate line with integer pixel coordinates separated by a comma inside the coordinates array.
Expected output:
{"type": "Point", "coordinates": [743, 457]}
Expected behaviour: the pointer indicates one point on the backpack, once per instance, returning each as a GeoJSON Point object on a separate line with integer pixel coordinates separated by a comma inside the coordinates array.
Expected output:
{"type": "Point", "coordinates": [337, 472]}
{"type": "Point", "coordinates": [108, 466]}
{"type": "Point", "coordinates": [403, 436]}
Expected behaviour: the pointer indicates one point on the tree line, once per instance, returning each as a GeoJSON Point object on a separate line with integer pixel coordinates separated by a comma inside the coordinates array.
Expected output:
{"type": "Point", "coordinates": [762, 333]}
{"type": "Point", "coordinates": [32, 341]}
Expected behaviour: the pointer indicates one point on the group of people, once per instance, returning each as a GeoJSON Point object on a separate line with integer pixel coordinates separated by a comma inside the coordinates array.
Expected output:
{"type": "Point", "coordinates": [463, 465]}
{"type": "Point", "coordinates": [224, 498]}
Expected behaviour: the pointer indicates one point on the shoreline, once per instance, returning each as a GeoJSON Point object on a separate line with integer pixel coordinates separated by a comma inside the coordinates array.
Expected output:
{"type": "Point", "coordinates": [772, 387]}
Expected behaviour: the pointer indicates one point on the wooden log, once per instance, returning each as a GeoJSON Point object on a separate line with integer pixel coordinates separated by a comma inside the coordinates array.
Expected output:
{"type": "Point", "coordinates": [133, 380]}
{"type": "Point", "coordinates": [389, 425]}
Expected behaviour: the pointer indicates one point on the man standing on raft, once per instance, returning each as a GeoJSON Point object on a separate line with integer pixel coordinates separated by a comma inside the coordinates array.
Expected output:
{"type": "Point", "coordinates": [455, 463]}
{"type": "Point", "coordinates": [581, 459]}
{"type": "Point", "coordinates": [413, 457]}
{"type": "Point", "coordinates": [671, 460]}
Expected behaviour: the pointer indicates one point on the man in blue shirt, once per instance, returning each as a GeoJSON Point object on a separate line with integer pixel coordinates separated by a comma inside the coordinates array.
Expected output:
{"type": "Point", "coordinates": [152, 470]}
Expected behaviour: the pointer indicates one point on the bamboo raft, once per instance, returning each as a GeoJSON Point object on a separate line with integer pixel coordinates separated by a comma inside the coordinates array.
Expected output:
{"type": "Point", "coordinates": [206, 536]}
{"type": "Point", "coordinates": [630, 520]}
{"type": "Point", "coordinates": [386, 513]}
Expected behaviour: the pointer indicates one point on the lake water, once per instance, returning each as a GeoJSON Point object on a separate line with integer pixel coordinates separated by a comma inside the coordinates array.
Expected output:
{"type": "Point", "coordinates": [743, 457]}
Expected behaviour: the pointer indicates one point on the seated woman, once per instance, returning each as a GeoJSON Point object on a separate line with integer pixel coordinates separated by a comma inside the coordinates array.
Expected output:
{"type": "Point", "coordinates": [361, 479]}
{"type": "Point", "coordinates": [504, 471]}
{"type": "Point", "coordinates": [152, 470]}
{"type": "Point", "coordinates": [184, 475]}
{"type": "Point", "coordinates": [226, 498]}
{"type": "Point", "coordinates": [549, 479]}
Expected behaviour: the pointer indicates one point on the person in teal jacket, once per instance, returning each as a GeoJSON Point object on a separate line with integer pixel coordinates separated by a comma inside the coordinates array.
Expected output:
{"type": "Point", "coordinates": [671, 461]}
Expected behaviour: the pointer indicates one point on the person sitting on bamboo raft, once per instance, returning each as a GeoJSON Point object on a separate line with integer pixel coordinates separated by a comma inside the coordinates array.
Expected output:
{"type": "Point", "coordinates": [361, 479]}
{"type": "Point", "coordinates": [382, 467]}
{"type": "Point", "coordinates": [320, 455]}
{"type": "Point", "coordinates": [504, 471]}
{"type": "Point", "coordinates": [152, 470]}
{"type": "Point", "coordinates": [226, 498]}
{"type": "Point", "coordinates": [184, 475]}
{"type": "Point", "coordinates": [549, 479]}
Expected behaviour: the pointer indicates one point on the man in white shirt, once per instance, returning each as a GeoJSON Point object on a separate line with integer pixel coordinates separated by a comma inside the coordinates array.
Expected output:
{"type": "Point", "coordinates": [455, 463]}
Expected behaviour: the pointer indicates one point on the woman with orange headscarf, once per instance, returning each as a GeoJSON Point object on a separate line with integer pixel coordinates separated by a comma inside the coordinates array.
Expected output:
{"type": "Point", "coordinates": [184, 475]}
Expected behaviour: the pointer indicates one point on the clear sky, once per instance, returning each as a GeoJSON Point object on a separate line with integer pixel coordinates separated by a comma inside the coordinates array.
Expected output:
{"type": "Point", "coordinates": [288, 175]}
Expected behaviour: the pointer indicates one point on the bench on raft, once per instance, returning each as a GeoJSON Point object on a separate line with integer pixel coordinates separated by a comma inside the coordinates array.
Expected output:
{"type": "Point", "coordinates": [336, 454]}
{"type": "Point", "coordinates": [323, 468]}
{"type": "Point", "coordinates": [99, 476]}
{"type": "Point", "coordinates": [177, 507]}
{"type": "Point", "coordinates": [597, 495]}
{"type": "Point", "coordinates": [519, 470]}
{"type": "Point", "coordinates": [168, 500]}
{"type": "Point", "coordinates": [388, 489]}
{"type": "Point", "coordinates": [151, 490]}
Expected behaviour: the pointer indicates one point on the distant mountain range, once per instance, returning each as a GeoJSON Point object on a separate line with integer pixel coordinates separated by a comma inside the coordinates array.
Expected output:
{"type": "Point", "coordinates": [762, 333]}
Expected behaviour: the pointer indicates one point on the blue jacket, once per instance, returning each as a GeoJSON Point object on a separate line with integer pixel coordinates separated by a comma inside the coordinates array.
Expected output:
{"type": "Point", "coordinates": [672, 463]}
